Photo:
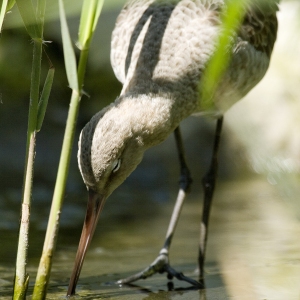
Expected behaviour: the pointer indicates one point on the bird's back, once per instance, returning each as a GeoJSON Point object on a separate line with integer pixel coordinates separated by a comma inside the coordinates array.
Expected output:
{"type": "Point", "coordinates": [164, 46]}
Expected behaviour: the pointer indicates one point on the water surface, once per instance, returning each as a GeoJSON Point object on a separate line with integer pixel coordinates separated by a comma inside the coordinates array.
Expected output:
{"type": "Point", "coordinates": [253, 249]}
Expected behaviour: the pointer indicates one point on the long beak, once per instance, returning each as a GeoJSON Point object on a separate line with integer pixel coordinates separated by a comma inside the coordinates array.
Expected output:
{"type": "Point", "coordinates": [94, 208]}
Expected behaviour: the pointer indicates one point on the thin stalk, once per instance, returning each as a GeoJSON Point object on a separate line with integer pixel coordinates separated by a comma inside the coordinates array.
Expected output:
{"type": "Point", "coordinates": [43, 275]}
{"type": "Point", "coordinates": [21, 278]}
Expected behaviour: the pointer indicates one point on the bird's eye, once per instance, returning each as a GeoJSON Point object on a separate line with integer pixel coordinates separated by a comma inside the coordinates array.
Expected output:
{"type": "Point", "coordinates": [116, 165]}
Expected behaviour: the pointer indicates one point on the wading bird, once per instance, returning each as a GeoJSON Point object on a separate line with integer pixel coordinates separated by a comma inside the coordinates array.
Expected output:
{"type": "Point", "coordinates": [160, 50]}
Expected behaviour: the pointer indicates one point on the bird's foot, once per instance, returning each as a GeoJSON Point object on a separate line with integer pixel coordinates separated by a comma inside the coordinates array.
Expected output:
{"type": "Point", "coordinates": [160, 265]}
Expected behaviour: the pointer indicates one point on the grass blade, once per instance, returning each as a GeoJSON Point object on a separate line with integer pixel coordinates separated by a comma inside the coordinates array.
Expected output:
{"type": "Point", "coordinates": [69, 54]}
{"type": "Point", "coordinates": [44, 99]}
{"type": "Point", "coordinates": [28, 15]}
{"type": "Point", "coordinates": [90, 13]}
{"type": "Point", "coordinates": [232, 17]}
{"type": "Point", "coordinates": [3, 12]}
{"type": "Point", "coordinates": [97, 14]}
{"type": "Point", "coordinates": [10, 4]}
{"type": "Point", "coordinates": [5, 6]}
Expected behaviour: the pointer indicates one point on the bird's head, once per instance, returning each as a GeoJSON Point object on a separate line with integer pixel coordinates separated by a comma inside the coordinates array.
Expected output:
{"type": "Point", "coordinates": [110, 148]}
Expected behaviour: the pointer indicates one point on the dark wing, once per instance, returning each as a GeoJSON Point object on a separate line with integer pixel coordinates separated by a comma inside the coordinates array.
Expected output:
{"type": "Point", "coordinates": [259, 26]}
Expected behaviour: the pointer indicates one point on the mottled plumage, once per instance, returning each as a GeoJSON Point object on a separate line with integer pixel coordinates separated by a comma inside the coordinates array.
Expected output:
{"type": "Point", "coordinates": [159, 51]}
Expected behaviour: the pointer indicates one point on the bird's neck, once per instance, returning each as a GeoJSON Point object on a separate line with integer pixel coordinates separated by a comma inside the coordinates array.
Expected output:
{"type": "Point", "coordinates": [152, 118]}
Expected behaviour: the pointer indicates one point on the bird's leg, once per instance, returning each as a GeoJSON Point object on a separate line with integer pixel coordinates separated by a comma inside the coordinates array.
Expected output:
{"type": "Point", "coordinates": [184, 188]}
{"type": "Point", "coordinates": [208, 183]}
{"type": "Point", "coordinates": [161, 263]}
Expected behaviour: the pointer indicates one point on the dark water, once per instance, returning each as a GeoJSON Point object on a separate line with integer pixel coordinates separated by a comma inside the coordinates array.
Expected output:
{"type": "Point", "coordinates": [253, 248]}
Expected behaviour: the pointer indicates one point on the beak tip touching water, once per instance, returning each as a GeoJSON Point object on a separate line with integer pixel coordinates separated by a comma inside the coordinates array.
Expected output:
{"type": "Point", "coordinates": [94, 207]}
